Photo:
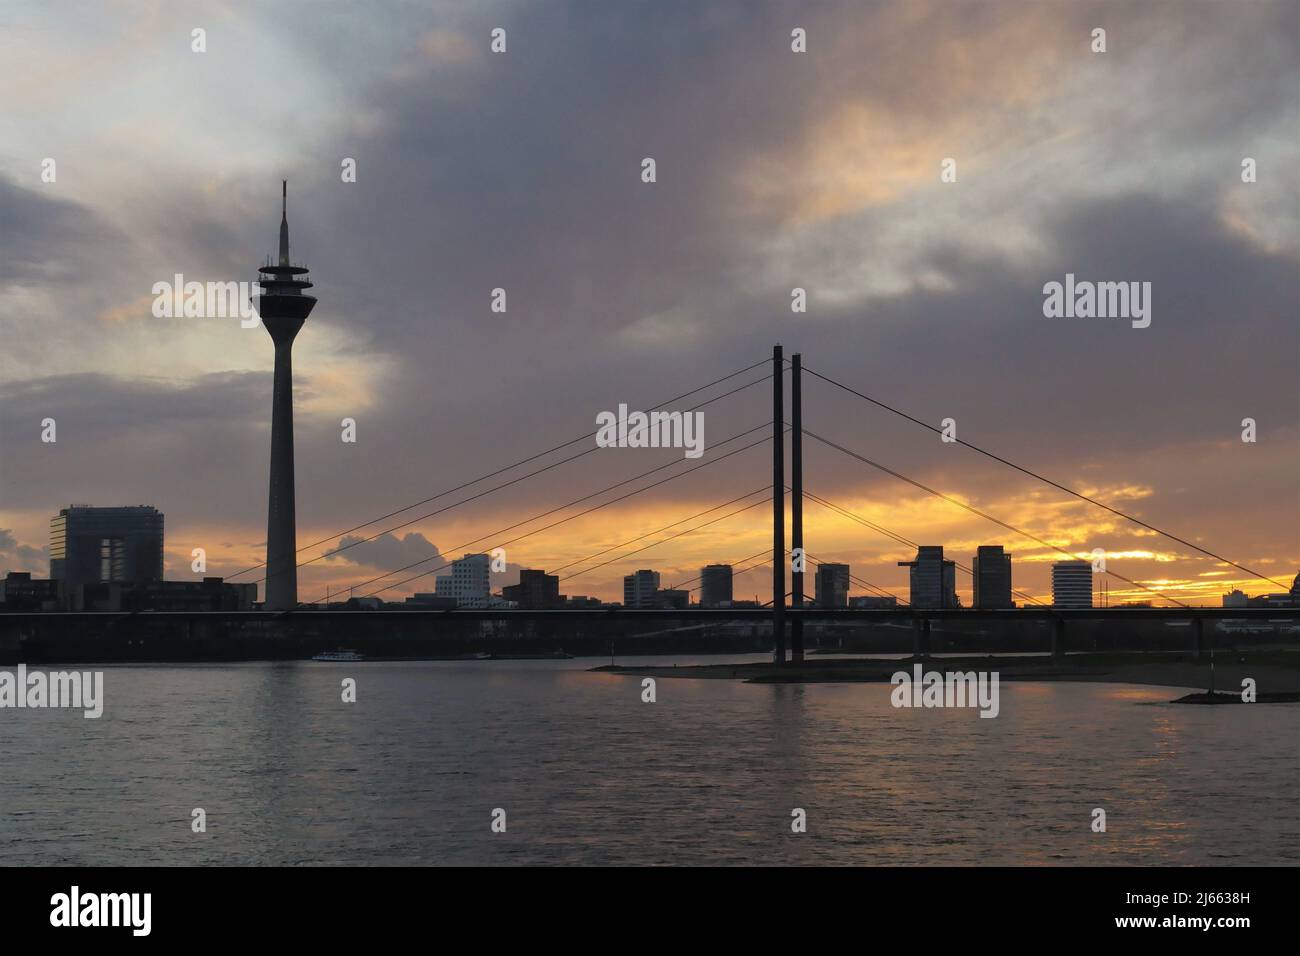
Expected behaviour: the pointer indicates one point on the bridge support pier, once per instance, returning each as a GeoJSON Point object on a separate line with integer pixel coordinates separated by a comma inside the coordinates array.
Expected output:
{"type": "Point", "coordinates": [796, 504]}
{"type": "Point", "coordinates": [778, 506]}
{"type": "Point", "coordinates": [920, 637]}
{"type": "Point", "coordinates": [1058, 637]}
{"type": "Point", "coordinates": [1198, 638]}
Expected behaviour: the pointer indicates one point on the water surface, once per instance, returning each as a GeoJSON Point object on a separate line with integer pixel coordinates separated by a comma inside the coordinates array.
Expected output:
{"type": "Point", "coordinates": [588, 774]}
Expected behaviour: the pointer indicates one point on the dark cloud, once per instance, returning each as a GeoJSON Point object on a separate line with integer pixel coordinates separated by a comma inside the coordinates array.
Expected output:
{"type": "Point", "coordinates": [522, 171]}
{"type": "Point", "coordinates": [21, 557]}
{"type": "Point", "coordinates": [183, 447]}
{"type": "Point", "coordinates": [46, 238]}
{"type": "Point", "coordinates": [387, 551]}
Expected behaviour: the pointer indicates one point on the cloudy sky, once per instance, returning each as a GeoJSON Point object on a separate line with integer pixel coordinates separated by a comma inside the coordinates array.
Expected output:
{"type": "Point", "coordinates": [522, 170]}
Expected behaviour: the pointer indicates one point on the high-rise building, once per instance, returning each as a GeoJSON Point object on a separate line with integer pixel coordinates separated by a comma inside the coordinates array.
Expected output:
{"type": "Point", "coordinates": [715, 586]}
{"type": "Point", "coordinates": [118, 545]}
{"type": "Point", "coordinates": [639, 589]}
{"type": "Point", "coordinates": [932, 580]}
{"type": "Point", "coordinates": [832, 585]}
{"type": "Point", "coordinates": [991, 570]}
{"type": "Point", "coordinates": [1072, 584]}
{"type": "Point", "coordinates": [284, 306]}
{"type": "Point", "coordinates": [469, 583]}
{"type": "Point", "coordinates": [536, 589]}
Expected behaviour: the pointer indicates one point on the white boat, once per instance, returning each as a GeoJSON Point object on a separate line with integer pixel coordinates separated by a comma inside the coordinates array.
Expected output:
{"type": "Point", "coordinates": [338, 656]}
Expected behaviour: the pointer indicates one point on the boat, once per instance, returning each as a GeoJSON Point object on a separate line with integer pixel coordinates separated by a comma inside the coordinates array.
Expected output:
{"type": "Point", "coordinates": [338, 656]}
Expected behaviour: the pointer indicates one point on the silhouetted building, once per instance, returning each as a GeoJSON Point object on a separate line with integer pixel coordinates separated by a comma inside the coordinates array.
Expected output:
{"type": "Point", "coordinates": [991, 570]}
{"type": "Point", "coordinates": [19, 591]}
{"type": "Point", "coordinates": [1282, 599]}
{"type": "Point", "coordinates": [428, 601]}
{"type": "Point", "coordinates": [210, 594]}
{"type": "Point", "coordinates": [535, 590]}
{"type": "Point", "coordinates": [581, 601]}
{"type": "Point", "coordinates": [639, 589]}
{"type": "Point", "coordinates": [1235, 598]}
{"type": "Point", "coordinates": [872, 601]}
{"type": "Point", "coordinates": [92, 545]}
{"type": "Point", "coordinates": [715, 586]}
{"type": "Point", "coordinates": [932, 580]}
{"type": "Point", "coordinates": [832, 585]}
{"type": "Point", "coordinates": [469, 583]}
{"type": "Point", "coordinates": [673, 598]}
{"type": "Point", "coordinates": [1072, 584]}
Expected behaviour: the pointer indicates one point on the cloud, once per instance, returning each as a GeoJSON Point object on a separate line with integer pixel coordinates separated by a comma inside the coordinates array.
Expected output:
{"type": "Point", "coordinates": [46, 238]}
{"type": "Point", "coordinates": [776, 170]}
{"type": "Point", "coordinates": [22, 557]}
{"type": "Point", "coordinates": [388, 551]}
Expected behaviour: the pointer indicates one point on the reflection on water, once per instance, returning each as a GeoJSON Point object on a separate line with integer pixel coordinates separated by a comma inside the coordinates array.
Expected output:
{"type": "Point", "coordinates": [587, 773]}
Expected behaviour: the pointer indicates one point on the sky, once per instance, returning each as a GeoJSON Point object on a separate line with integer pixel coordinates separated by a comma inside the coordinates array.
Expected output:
{"type": "Point", "coordinates": [522, 170]}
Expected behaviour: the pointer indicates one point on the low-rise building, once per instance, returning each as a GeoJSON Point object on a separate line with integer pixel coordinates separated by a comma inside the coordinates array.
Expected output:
{"type": "Point", "coordinates": [872, 601]}
{"type": "Point", "coordinates": [19, 591]}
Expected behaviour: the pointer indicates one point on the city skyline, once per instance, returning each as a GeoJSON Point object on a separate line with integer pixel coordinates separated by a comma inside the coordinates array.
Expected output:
{"type": "Point", "coordinates": [740, 433]}
{"type": "Point", "coordinates": [481, 580]}
{"type": "Point", "coordinates": [173, 411]}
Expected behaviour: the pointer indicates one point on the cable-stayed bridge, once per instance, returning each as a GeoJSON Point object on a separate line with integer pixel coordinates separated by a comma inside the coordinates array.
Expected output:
{"type": "Point", "coordinates": [787, 608]}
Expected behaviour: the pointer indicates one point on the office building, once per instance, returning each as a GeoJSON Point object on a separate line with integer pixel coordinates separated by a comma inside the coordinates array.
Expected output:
{"type": "Point", "coordinates": [210, 594]}
{"type": "Point", "coordinates": [468, 584]}
{"type": "Point", "coordinates": [715, 586]}
{"type": "Point", "coordinates": [536, 590]}
{"type": "Point", "coordinates": [640, 589]}
{"type": "Point", "coordinates": [673, 598]}
{"type": "Point", "coordinates": [91, 545]}
{"type": "Point", "coordinates": [1072, 584]}
{"type": "Point", "coordinates": [1235, 598]}
{"type": "Point", "coordinates": [19, 591]}
{"type": "Point", "coordinates": [991, 571]}
{"type": "Point", "coordinates": [932, 580]}
{"type": "Point", "coordinates": [832, 585]}
{"type": "Point", "coordinates": [1282, 599]}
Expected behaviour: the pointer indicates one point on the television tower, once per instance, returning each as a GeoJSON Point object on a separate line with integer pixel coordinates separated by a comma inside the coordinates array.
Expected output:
{"type": "Point", "coordinates": [283, 306]}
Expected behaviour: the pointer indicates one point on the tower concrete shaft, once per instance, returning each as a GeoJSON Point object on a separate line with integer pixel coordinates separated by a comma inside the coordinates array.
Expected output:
{"type": "Point", "coordinates": [283, 306]}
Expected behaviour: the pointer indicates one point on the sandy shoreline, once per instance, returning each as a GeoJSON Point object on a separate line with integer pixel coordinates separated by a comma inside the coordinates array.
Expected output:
{"type": "Point", "coordinates": [1272, 672]}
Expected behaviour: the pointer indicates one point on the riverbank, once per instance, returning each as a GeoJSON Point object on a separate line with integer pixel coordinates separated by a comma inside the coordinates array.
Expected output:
{"type": "Point", "coordinates": [1274, 672]}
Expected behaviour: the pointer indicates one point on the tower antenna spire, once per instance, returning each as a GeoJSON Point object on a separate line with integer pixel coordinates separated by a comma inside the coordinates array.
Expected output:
{"type": "Point", "coordinates": [284, 222]}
